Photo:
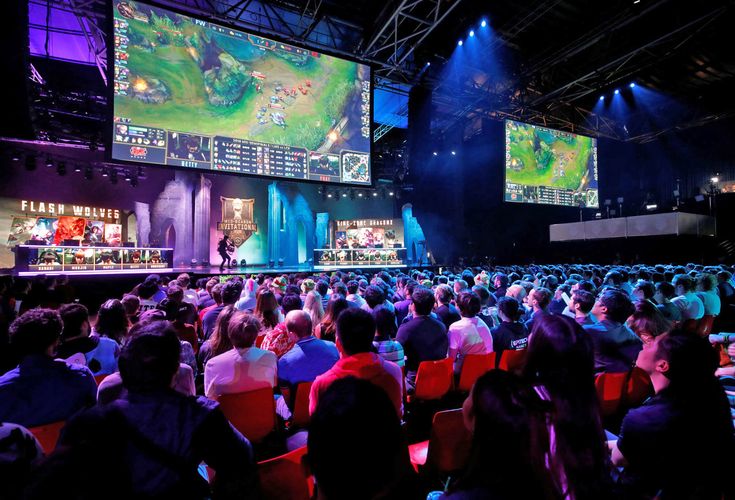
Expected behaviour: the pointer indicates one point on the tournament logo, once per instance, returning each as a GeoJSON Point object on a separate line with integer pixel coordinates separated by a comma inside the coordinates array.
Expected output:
{"type": "Point", "coordinates": [237, 219]}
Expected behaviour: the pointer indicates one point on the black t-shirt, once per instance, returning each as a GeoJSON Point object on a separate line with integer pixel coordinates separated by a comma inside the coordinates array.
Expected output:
{"type": "Point", "coordinates": [423, 339]}
{"type": "Point", "coordinates": [448, 314]}
{"type": "Point", "coordinates": [677, 448]}
{"type": "Point", "coordinates": [222, 245]}
{"type": "Point", "coordinates": [509, 337]}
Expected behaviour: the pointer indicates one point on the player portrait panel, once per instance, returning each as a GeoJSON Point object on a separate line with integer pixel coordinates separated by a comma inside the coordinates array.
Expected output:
{"type": "Point", "coordinates": [188, 150]}
{"type": "Point", "coordinates": [78, 259]}
{"type": "Point", "coordinates": [134, 258]}
{"type": "Point", "coordinates": [47, 259]}
{"type": "Point", "coordinates": [107, 260]}
{"type": "Point", "coordinates": [159, 259]}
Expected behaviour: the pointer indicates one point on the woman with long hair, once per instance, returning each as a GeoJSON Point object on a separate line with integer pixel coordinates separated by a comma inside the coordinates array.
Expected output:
{"type": "Point", "coordinates": [327, 329]}
{"type": "Point", "coordinates": [219, 341]}
{"type": "Point", "coordinates": [560, 368]}
{"type": "Point", "coordinates": [502, 413]}
{"type": "Point", "coordinates": [647, 321]}
{"type": "Point", "coordinates": [267, 310]}
{"type": "Point", "coordinates": [313, 305]}
{"type": "Point", "coordinates": [112, 321]}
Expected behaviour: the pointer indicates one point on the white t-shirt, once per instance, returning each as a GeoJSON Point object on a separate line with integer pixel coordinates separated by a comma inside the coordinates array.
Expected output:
{"type": "Point", "coordinates": [691, 306]}
{"type": "Point", "coordinates": [465, 338]}
{"type": "Point", "coordinates": [240, 370]}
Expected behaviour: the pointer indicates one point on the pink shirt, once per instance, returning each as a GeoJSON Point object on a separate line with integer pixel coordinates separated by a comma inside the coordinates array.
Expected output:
{"type": "Point", "coordinates": [239, 370]}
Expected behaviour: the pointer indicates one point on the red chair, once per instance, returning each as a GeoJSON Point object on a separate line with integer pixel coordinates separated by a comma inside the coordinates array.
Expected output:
{"type": "Point", "coordinates": [285, 478]}
{"type": "Point", "coordinates": [512, 361]}
{"type": "Point", "coordinates": [448, 447]}
{"type": "Point", "coordinates": [48, 435]}
{"type": "Point", "coordinates": [473, 366]}
{"type": "Point", "coordinates": [638, 388]}
{"type": "Point", "coordinates": [704, 327]}
{"type": "Point", "coordinates": [301, 417]}
{"type": "Point", "coordinates": [99, 378]}
{"type": "Point", "coordinates": [252, 413]}
{"type": "Point", "coordinates": [433, 379]}
{"type": "Point", "coordinates": [690, 325]}
{"type": "Point", "coordinates": [610, 389]}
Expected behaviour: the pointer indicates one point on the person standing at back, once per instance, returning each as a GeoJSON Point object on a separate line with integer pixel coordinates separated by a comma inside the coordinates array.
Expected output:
{"type": "Point", "coordinates": [423, 338]}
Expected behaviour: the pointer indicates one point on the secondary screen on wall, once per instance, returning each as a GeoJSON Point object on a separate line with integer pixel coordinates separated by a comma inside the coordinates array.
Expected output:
{"type": "Point", "coordinates": [190, 93]}
{"type": "Point", "coordinates": [549, 166]}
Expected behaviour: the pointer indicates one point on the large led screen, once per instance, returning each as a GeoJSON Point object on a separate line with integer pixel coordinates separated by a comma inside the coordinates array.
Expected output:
{"type": "Point", "coordinates": [549, 166]}
{"type": "Point", "coordinates": [193, 94]}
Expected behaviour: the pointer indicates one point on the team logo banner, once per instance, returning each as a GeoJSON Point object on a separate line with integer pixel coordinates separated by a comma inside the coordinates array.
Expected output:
{"type": "Point", "coordinates": [237, 219]}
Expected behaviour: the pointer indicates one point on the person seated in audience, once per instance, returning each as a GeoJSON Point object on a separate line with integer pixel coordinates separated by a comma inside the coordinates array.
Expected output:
{"type": "Point", "coordinates": [42, 390]}
{"type": "Point", "coordinates": [100, 353]}
{"type": "Point", "coordinates": [353, 295]}
{"type": "Point", "coordinates": [355, 333]}
{"type": "Point", "coordinates": [501, 412]}
{"type": "Point", "coordinates": [278, 340]}
{"type": "Point", "coordinates": [355, 447]}
{"type": "Point", "coordinates": [216, 292]}
{"type": "Point", "coordinates": [501, 283]}
{"type": "Point", "coordinates": [244, 367]}
{"type": "Point", "coordinates": [131, 303]}
{"type": "Point", "coordinates": [309, 357]}
{"type": "Point", "coordinates": [664, 293]}
{"type": "Point", "coordinates": [669, 445]}
{"type": "Point", "coordinates": [447, 313]}
{"type": "Point", "coordinates": [707, 293]}
{"type": "Point", "coordinates": [268, 311]}
{"type": "Point", "coordinates": [149, 443]}
{"type": "Point", "coordinates": [560, 367]}
{"type": "Point", "coordinates": [327, 329]}
{"type": "Point", "coordinates": [374, 297]}
{"type": "Point", "coordinates": [423, 338]}
{"type": "Point", "coordinates": [580, 307]}
{"type": "Point", "coordinates": [219, 342]}
{"type": "Point", "coordinates": [112, 321]}
{"type": "Point", "coordinates": [725, 287]}
{"type": "Point", "coordinates": [385, 336]}
{"type": "Point", "coordinates": [689, 304]}
{"type": "Point", "coordinates": [190, 296]}
{"type": "Point", "coordinates": [538, 300]}
{"type": "Point", "coordinates": [248, 296]}
{"type": "Point", "coordinates": [643, 290]}
{"type": "Point", "coordinates": [615, 345]}
{"type": "Point", "coordinates": [459, 286]}
{"type": "Point", "coordinates": [313, 306]}
{"type": "Point", "coordinates": [402, 307]}
{"type": "Point", "coordinates": [206, 298]}
{"type": "Point", "coordinates": [20, 453]}
{"type": "Point", "coordinates": [469, 335]}
{"type": "Point", "coordinates": [511, 334]}
{"type": "Point", "coordinates": [647, 321]}
{"type": "Point", "coordinates": [558, 305]}
{"type": "Point", "coordinates": [230, 294]}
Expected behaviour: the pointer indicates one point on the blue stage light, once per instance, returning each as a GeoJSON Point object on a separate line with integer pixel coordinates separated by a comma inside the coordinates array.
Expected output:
{"type": "Point", "coordinates": [435, 153]}
{"type": "Point", "coordinates": [617, 91]}
{"type": "Point", "coordinates": [472, 32]}
{"type": "Point", "coordinates": [454, 153]}
{"type": "Point", "coordinates": [632, 85]}
{"type": "Point", "coordinates": [483, 23]}
{"type": "Point", "coordinates": [602, 97]}
{"type": "Point", "coordinates": [428, 63]}
{"type": "Point", "coordinates": [460, 43]}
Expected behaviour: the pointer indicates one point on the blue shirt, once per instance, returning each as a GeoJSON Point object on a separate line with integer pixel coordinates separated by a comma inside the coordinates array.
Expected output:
{"type": "Point", "coordinates": [309, 358]}
{"type": "Point", "coordinates": [210, 319]}
{"type": "Point", "coordinates": [41, 390]}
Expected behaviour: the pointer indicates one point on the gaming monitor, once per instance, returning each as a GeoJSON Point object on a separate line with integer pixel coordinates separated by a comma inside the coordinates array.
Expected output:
{"type": "Point", "coordinates": [549, 166]}
{"type": "Point", "coordinates": [193, 94]}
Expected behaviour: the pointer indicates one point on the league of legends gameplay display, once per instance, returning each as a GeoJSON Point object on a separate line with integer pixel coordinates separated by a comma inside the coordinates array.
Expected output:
{"type": "Point", "coordinates": [549, 166]}
{"type": "Point", "coordinates": [189, 93]}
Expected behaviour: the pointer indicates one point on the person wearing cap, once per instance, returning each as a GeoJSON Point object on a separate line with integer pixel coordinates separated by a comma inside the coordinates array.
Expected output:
{"type": "Point", "coordinates": [307, 286]}
{"type": "Point", "coordinates": [278, 286]}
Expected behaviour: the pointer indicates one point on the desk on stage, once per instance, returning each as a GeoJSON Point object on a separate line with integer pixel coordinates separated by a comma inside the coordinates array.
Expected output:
{"type": "Point", "coordinates": [668, 224]}
{"type": "Point", "coordinates": [331, 258]}
{"type": "Point", "coordinates": [32, 260]}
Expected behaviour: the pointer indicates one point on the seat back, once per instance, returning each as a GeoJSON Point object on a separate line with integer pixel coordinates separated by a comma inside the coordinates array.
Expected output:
{"type": "Point", "coordinates": [704, 327]}
{"type": "Point", "coordinates": [690, 325]}
{"type": "Point", "coordinates": [512, 361]}
{"type": "Point", "coordinates": [638, 388]}
{"type": "Point", "coordinates": [434, 379]}
{"type": "Point", "coordinates": [99, 378]}
{"type": "Point", "coordinates": [449, 443]}
{"type": "Point", "coordinates": [48, 435]}
{"type": "Point", "coordinates": [610, 389]}
{"type": "Point", "coordinates": [285, 478]}
{"type": "Point", "coordinates": [253, 413]}
{"type": "Point", "coordinates": [473, 366]}
{"type": "Point", "coordinates": [301, 415]}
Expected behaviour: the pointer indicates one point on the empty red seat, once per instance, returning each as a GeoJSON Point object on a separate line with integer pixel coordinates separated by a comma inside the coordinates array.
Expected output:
{"type": "Point", "coordinates": [300, 417]}
{"type": "Point", "coordinates": [253, 413]}
{"type": "Point", "coordinates": [48, 435]}
{"type": "Point", "coordinates": [473, 366]}
{"type": "Point", "coordinates": [610, 390]}
{"type": "Point", "coordinates": [448, 447]}
{"type": "Point", "coordinates": [285, 477]}
{"type": "Point", "coordinates": [433, 379]}
{"type": "Point", "coordinates": [512, 361]}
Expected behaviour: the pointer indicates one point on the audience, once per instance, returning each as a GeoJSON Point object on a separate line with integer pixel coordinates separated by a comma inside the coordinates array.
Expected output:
{"type": "Point", "coordinates": [446, 312]}
{"type": "Point", "coordinates": [687, 301]}
{"type": "Point", "coordinates": [423, 338]}
{"type": "Point", "coordinates": [42, 390]}
{"type": "Point", "coordinates": [355, 333]}
{"type": "Point", "coordinates": [538, 300]}
{"type": "Point", "coordinates": [327, 329]}
{"type": "Point", "coordinates": [385, 333]}
{"type": "Point", "coordinates": [278, 340]}
{"type": "Point", "coordinates": [580, 307]}
{"type": "Point", "coordinates": [615, 345]}
{"type": "Point", "coordinates": [510, 334]}
{"type": "Point", "coordinates": [313, 306]}
{"type": "Point", "coordinates": [244, 367]}
{"type": "Point", "coordinates": [665, 291]}
{"type": "Point", "coordinates": [647, 321]}
{"type": "Point", "coordinates": [219, 342]}
{"type": "Point", "coordinates": [469, 335]}
{"type": "Point", "coordinates": [707, 293]}
{"type": "Point", "coordinates": [100, 353]}
{"type": "Point", "coordinates": [230, 293]}
{"type": "Point", "coordinates": [112, 321]}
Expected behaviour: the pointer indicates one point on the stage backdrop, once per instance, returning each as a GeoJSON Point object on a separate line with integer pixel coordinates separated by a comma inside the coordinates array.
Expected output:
{"type": "Point", "coordinates": [268, 220]}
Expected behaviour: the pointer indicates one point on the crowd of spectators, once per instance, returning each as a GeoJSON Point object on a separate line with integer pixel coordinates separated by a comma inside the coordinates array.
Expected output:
{"type": "Point", "coordinates": [137, 381]}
